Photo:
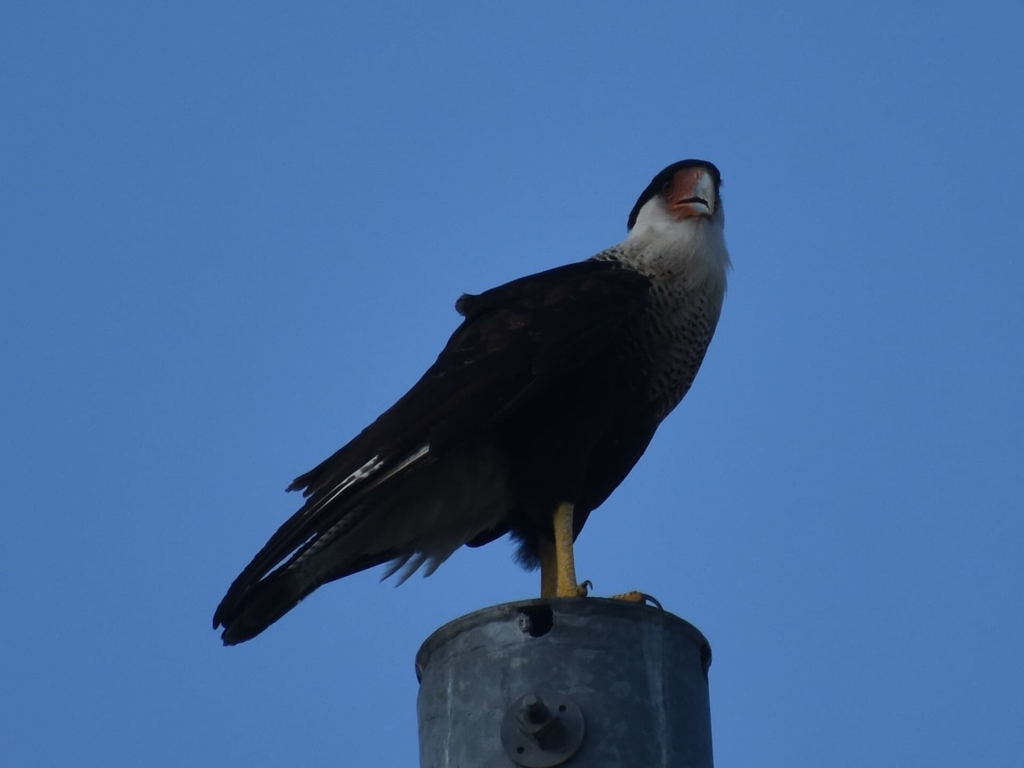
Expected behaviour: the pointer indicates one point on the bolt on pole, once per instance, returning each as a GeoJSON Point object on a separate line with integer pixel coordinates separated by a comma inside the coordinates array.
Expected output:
{"type": "Point", "coordinates": [565, 681]}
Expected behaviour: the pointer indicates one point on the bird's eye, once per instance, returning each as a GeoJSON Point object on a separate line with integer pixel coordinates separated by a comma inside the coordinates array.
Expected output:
{"type": "Point", "coordinates": [666, 188]}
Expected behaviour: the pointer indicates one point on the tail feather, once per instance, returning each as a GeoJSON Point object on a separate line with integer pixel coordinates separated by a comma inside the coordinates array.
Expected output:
{"type": "Point", "coordinates": [264, 604]}
{"type": "Point", "coordinates": [276, 594]}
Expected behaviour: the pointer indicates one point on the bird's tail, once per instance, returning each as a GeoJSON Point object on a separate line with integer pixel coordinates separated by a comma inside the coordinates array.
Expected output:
{"type": "Point", "coordinates": [273, 596]}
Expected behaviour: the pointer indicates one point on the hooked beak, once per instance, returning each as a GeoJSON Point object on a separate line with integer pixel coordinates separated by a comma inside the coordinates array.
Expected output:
{"type": "Point", "coordinates": [692, 194]}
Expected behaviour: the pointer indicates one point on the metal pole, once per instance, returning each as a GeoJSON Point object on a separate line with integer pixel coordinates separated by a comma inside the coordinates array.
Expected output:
{"type": "Point", "coordinates": [583, 682]}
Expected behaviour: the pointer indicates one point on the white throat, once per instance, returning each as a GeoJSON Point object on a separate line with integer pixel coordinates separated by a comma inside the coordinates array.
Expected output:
{"type": "Point", "coordinates": [691, 249]}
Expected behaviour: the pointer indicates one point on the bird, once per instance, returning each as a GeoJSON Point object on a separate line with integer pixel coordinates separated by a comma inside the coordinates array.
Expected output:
{"type": "Point", "coordinates": [537, 408]}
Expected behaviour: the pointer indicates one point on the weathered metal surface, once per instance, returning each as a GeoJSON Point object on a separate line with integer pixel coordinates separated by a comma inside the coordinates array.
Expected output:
{"type": "Point", "coordinates": [575, 682]}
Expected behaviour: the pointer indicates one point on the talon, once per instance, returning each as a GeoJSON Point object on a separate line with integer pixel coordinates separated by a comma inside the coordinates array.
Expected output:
{"type": "Point", "coordinates": [638, 597]}
{"type": "Point", "coordinates": [584, 587]}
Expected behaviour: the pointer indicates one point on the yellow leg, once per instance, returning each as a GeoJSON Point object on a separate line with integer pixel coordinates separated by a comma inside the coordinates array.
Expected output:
{"type": "Point", "coordinates": [565, 562]}
{"type": "Point", "coordinates": [548, 569]}
{"type": "Point", "coordinates": [558, 564]}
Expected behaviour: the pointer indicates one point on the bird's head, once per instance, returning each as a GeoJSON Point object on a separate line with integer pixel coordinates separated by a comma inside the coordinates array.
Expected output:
{"type": "Point", "coordinates": [685, 190]}
{"type": "Point", "coordinates": [680, 213]}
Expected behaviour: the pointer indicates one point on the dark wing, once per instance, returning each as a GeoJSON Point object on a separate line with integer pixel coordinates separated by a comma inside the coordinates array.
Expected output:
{"type": "Point", "coordinates": [515, 340]}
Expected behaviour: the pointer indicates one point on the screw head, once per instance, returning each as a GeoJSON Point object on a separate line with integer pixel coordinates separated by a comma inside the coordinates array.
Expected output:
{"type": "Point", "coordinates": [541, 731]}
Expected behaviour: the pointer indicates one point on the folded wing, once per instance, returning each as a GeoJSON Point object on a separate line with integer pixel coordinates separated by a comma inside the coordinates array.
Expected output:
{"type": "Point", "coordinates": [516, 342]}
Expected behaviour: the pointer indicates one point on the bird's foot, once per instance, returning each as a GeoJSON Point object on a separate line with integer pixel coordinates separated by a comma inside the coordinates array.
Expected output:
{"type": "Point", "coordinates": [572, 589]}
{"type": "Point", "coordinates": [638, 597]}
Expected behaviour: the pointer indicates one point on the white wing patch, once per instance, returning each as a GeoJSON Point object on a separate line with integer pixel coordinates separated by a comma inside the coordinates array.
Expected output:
{"type": "Point", "coordinates": [369, 469]}
{"type": "Point", "coordinates": [360, 474]}
{"type": "Point", "coordinates": [364, 473]}
{"type": "Point", "coordinates": [412, 458]}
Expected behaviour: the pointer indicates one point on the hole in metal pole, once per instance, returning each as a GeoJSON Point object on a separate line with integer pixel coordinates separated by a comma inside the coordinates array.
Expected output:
{"type": "Point", "coordinates": [536, 620]}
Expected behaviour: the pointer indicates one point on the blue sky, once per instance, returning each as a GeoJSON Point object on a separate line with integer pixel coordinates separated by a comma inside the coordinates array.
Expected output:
{"type": "Point", "coordinates": [230, 236]}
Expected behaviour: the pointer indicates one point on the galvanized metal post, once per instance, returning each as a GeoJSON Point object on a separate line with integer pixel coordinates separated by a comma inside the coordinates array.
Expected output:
{"type": "Point", "coordinates": [581, 682]}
